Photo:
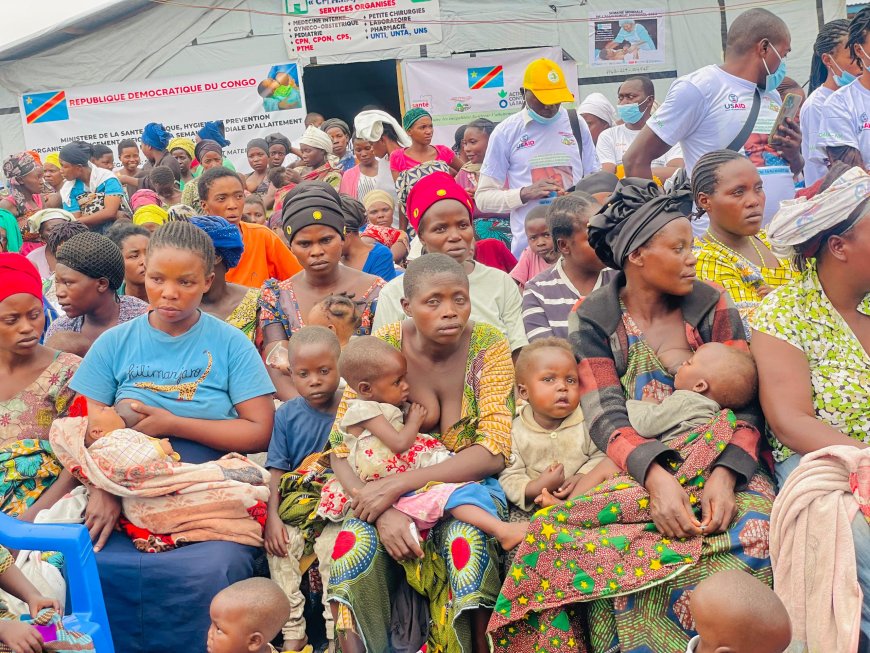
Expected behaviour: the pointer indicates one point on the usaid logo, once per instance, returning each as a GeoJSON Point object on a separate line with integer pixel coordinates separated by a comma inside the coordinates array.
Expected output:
{"type": "Point", "coordinates": [734, 103]}
{"type": "Point", "coordinates": [525, 142]}
{"type": "Point", "coordinates": [865, 122]}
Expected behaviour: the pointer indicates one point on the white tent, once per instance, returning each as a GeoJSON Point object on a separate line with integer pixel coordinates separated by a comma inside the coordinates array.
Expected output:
{"type": "Point", "coordinates": [140, 40]}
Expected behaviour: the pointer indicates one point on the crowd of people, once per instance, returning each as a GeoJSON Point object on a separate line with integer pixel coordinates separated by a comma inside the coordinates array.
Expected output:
{"type": "Point", "coordinates": [585, 380]}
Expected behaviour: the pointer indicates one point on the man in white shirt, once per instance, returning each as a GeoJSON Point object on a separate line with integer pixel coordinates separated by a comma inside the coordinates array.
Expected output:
{"type": "Point", "coordinates": [706, 110]}
{"type": "Point", "coordinates": [533, 156]}
{"type": "Point", "coordinates": [636, 97]}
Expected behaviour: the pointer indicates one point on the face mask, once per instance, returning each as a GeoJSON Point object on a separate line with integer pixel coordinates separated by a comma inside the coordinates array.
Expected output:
{"type": "Point", "coordinates": [541, 120]}
{"type": "Point", "coordinates": [844, 78]}
{"type": "Point", "coordinates": [863, 54]}
{"type": "Point", "coordinates": [774, 79]}
{"type": "Point", "coordinates": [630, 113]}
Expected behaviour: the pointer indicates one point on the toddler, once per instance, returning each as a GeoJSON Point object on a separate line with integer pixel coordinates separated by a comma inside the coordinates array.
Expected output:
{"type": "Point", "coordinates": [381, 442]}
{"type": "Point", "coordinates": [301, 428]}
{"type": "Point", "coordinates": [734, 612]}
{"type": "Point", "coordinates": [15, 634]}
{"type": "Point", "coordinates": [539, 255]}
{"type": "Point", "coordinates": [254, 209]}
{"type": "Point", "coordinates": [246, 617]}
{"type": "Point", "coordinates": [339, 314]}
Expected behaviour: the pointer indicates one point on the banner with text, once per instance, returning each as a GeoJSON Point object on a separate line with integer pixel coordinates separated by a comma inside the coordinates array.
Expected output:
{"type": "Point", "coordinates": [316, 28]}
{"type": "Point", "coordinates": [462, 89]}
{"type": "Point", "coordinates": [251, 101]}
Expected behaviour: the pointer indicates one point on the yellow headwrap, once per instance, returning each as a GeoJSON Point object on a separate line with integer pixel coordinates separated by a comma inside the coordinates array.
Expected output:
{"type": "Point", "coordinates": [54, 159]}
{"type": "Point", "coordinates": [181, 143]}
{"type": "Point", "coordinates": [378, 195]}
{"type": "Point", "coordinates": [150, 213]}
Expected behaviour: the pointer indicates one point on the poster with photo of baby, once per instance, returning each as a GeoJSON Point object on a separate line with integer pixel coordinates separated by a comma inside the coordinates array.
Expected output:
{"type": "Point", "coordinates": [627, 36]}
{"type": "Point", "coordinates": [280, 88]}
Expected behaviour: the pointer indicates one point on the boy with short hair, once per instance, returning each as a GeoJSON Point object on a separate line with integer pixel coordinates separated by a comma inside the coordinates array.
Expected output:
{"type": "Point", "coordinates": [246, 617]}
{"type": "Point", "coordinates": [539, 254]}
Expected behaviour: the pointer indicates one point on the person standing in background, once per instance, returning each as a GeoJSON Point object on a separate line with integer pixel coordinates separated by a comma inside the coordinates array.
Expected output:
{"type": "Point", "coordinates": [598, 113]}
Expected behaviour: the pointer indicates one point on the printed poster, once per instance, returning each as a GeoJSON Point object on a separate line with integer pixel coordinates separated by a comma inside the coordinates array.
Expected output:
{"type": "Point", "coordinates": [252, 102]}
{"type": "Point", "coordinates": [627, 37]}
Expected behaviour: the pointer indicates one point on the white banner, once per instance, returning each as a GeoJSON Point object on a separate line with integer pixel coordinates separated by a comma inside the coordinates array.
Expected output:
{"type": "Point", "coordinates": [251, 101]}
{"type": "Point", "coordinates": [318, 28]}
{"type": "Point", "coordinates": [462, 89]}
{"type": "Point", "coordinates": [626, 37]}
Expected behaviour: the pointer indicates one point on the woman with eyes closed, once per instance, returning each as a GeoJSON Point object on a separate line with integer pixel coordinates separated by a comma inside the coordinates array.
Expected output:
{"type": "Point", "coordinates": [314, 226]}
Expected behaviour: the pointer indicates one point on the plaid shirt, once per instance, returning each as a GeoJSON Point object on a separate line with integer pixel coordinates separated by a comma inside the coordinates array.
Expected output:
{"type": "Point", "coordinates": [600, 343]}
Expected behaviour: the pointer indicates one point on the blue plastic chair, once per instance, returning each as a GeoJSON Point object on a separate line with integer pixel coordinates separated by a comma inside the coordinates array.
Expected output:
{"type": "Point", "coordinates": [80, 569]}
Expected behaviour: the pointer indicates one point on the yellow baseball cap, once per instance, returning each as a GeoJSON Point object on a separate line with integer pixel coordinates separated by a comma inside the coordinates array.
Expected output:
{"type": "Point", "coordinates": [546, 80]}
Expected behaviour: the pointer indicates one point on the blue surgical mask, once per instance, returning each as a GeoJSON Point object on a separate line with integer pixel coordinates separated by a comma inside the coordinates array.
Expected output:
{"type": "Point", "coordinates": [541, 120]}
{"type": "Point", "coordinates": [844, 78]}
{"type": "Point", "coordinates": [774, 79]}
{"type": "Point", "coordinates": [631, 113]}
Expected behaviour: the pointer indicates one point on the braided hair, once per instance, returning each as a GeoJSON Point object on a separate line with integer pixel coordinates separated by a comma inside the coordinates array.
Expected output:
{"type": "Point", "coordinates": [705, 174]}
{"type": "Point", "coordinates": [482, 124]}
{"type": "Point", "coordinates": [831, 36]}
{"type": "Point", "coordinates": [858, 29]}
{"type": "Point", "coordinates": [62, 233]}
{"type": "Point", "coordinates": [564, 212]}
{"type": "Point", "coordinates": [186, 236]}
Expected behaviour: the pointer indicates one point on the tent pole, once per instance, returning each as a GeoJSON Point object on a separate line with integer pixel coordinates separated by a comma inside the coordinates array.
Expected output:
{"type": "Point", "coordinates": [400, 84]}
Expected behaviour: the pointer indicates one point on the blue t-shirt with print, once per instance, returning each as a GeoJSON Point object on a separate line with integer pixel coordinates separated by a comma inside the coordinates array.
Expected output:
{"type": "Point", "coordinates": [112, 186]}
{"type": "Point", "coordinates": [203, 373]}
{"type": "Point", "coordinates": [300, 430]}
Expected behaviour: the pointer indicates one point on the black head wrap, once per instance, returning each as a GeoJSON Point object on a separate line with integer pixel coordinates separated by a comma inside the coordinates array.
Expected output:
{"type": "Point", "coordinates": [206, 145]}
{"type": "Point", "coordinates": [637, 211]}
{"type": "Point", "coordinates": [278, 139]}
{"type": "Point", "coordinates": [95, 256]}
{"type": "Point", "coordinates": [310, 203]}
{"type": "Point", "coordinates": [335, 122]}
{"type": "Point", "coordinates": [259, 143]}
{"type": "Point", "coordinates": [355, 218]}
{"type": "Point", "coordinates": [77, 153]}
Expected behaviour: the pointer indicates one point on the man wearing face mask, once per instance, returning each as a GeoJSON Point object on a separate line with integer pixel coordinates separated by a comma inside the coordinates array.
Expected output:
{"type": "Point", "coordinates": [534, 156]}
{"type": "Point", "coordinates": [731, 106]}
{"type": "Point", "coordinates": [636, 97]}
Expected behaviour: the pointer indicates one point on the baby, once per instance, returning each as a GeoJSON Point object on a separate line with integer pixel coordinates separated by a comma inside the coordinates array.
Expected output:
{"type": "Point", "coordinates": [246, 617]}
{"type": "Point", "coordinates": [734, 612]}
{"type": "Point", "coordinates": [382, 442]}
{"type": "Point", "coordinates": [339, 314]}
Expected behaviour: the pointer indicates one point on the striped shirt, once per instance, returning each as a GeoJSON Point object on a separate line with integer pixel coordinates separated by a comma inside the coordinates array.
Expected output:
{"type": "Point", "coordinates": [548, 299]}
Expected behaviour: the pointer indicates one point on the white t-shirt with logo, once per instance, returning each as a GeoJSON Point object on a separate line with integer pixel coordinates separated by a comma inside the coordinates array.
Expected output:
{"type": "Point", "coordinates": [846, 119]}
{"type": "Point", "coordinates": [522, 151]}
{"type": "Point", "coordinates": [811, 120]}
{"type": "Point", "coordinates": [705, 110]}
{"type": "Point", "coordinates": [614, 142]}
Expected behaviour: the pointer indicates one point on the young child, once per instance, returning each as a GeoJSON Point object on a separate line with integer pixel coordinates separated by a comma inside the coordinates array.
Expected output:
{"type": "Point", "coordinates": [301, 428]}
{"type": "Point", "coordinates": [128, 154]}
{"type": "Point", "coordinates": [339, 314]}
{"type": "Point", "coordinates": [383, 442]}
{"type": "Point", "coordinates": [734, 612]}
{"type": "Point", "coordinates": [551, 449]}
{"type": "Point", "coordinates": [254, 209]}
{"type": "Point", "coordinates": [380, 206]}
{"type": "Point", "coordinates": [15, 634]}
{"type": "Point", "coordinates": [539, 255]}
{"type": "Point", "coordinates": [246, 617]}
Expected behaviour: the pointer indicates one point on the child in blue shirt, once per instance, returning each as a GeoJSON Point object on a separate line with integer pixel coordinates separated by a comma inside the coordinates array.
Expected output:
{"type": "Point", "coordinates": [302, 427]}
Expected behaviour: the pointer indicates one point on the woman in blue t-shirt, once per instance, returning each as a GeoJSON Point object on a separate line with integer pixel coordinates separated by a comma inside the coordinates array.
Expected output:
{"type": "Point", "coordinates": [200, 381]}
{"type": "Point", "coordinates": [372, 258]}
{"type": "Point", "coordinates": [93, 195]}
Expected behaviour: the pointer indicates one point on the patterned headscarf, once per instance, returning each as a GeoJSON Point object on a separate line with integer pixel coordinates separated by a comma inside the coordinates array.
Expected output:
{"type": "Point", "coordinates": [17, 166]}
{"type": "Point", "coordinates": [94, 256]}
{"type": "Point", "coordinates": [412, 116]}
{"type": "Point", "coordinates": [180, 212]}
{"type": "Point", "coordinates": [226, 237]}
{"type": "Point", "coordinates": [182, 143]}
{"type": "Point", "coordinates": [156, 136]}
{"type": "Point", "coordinates": [213, 131]}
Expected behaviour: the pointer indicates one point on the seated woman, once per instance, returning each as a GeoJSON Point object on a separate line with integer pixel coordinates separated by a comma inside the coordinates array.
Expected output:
{"type": "Point", "coordinates": [210, 155]}
{"type": "Point", "coordinates": [51, 172]}
{"type": "Point", "coordinates": [811, 338]}
{"type": "Point", "coordinates": [339, 132]}
{"type": "Point", "coordinates": [93, 195]}
{"type": "Point", "coordinates": [363, 254]}
{"type": "Point", "coordinates": [314, 227]}
{"type": "Point", "coordinates": [133, 243]}
{"type": "Point", "coordinates": [26, 195]}
{"type": "Point", "coordinates": [320, 164]}
{"type": "Point", "coordinates": [461, 372]}
{"type": "Point", "coordinates": [183, 150]}
{"type": "Point", "coordinates": [380, 209]}
{"type": "Point", "coordinates": [734, 251]}
{"type": "Point", "coordinates": [279, 148]}
{"type": "Point", "coordinates": [42, 223]}
{"type": "Point", "coordinates": [89, 271]}
{"type": "Point", "coordinates": [629, 337]}
{"type": "Point", "coordinates": [34, 391]}
{"type": "Point", "coordinates": [201, 383]}
{"type": "Point", "coordinates": [440, 212]}
{"type": "Point", "coordinates": [258, 181]}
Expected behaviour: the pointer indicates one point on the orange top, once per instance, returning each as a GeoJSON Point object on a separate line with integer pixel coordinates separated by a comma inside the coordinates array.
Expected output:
{"type": "Point", "coordinates": [265, 257]}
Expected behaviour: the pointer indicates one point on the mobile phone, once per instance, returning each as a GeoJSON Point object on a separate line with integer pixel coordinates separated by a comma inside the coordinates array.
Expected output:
{"type": "Point", "coordinates": [789, 109]}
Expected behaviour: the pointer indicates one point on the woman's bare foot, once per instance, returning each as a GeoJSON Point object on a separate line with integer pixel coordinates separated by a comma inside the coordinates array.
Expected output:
{"type": "Point", "coordinates": [546, 499]}
{"type": "Point", "coordinates": [509, 535]}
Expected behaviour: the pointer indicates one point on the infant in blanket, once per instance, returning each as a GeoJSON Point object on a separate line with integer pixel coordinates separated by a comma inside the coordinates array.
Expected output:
{"type": "Point", "coordinates": [107, 428]}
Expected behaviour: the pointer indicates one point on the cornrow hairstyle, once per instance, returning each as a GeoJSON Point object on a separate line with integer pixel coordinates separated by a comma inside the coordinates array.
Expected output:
{"type": "Point", "coordinates": [62, 233]}
{"type": "Point", "coordinates": [705, 175]}
{"type": "Point", "coordinates": [483, 124]}
{"type": "Point", "coordinates": [121, 231]}
{"type": "Point", "coordinates": [162, 176]}
{"type": "Point", "coordinates": [830, 37]}
{"type": "Point", "coordinates": [126, 144]}
{"type": "Point", "coordinates": [101, 150]}
{"type": "Point", "coordinates": [342, 308]}
{"type": "Point", "coordinates": [564, 212]}
{"type": "Point", "coordinates": [186, 236]}
{"type": "Point", "coordinates": [527, 353]}
{"type": "Point", "coordinates": [207, 178]}
{"type": "Point", "coordinates": [858, 29]}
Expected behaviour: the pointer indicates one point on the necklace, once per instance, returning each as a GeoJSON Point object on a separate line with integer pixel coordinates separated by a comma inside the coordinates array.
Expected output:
{"type": "Point", "coordinates": [718, 242]}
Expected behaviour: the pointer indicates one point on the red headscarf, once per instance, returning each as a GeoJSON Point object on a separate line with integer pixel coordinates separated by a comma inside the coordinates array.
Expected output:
{"type": "Point", "coordinates": [431, 189]}
{"type": "Point", "coordinates": [19, 276]}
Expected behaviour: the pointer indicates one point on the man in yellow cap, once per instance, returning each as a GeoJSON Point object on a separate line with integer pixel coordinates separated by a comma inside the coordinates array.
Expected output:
{"type": "Point", "coordinates": [534, 156]}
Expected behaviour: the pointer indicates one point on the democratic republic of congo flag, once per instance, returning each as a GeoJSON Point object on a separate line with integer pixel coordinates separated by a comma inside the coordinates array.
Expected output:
{"type": "Point", "coordinates": [488, 77]}
{"type": "Point", "coordinates": [45, 107]}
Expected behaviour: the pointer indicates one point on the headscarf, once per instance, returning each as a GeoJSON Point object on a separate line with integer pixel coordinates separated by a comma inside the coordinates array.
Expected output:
{"type": "Point", "coordinates": [14, 241]}
{"type": "Point", "coordinates": [335, 122]}
{"type": "Point", "coordinates": [377, 195]}
{"type": "Point", "coordinates": [19, 276]}
{"type": "Point", "coordinates": [144, 197]}
{"type": "Point", "coordinates": [213, 131]}
{"type": "Point", "coordinates": [226, 237]}
{"type": "Point", "coordinates": [432, 189]}
{"type": "Point", "coordinates": [278, 139]}
{"type": "Point", "coordinates": [94, 256]}
{"type": "Point", "coordinates": [156, 136]}
{"type": "Point", "coordinates": [35, 156]}
{"type": "Point", "coordinates": [150, 213]}
{"type": "Point", "coordinates": [77, 153]}
{"type": "Point", "coordinates": [17, 166]}
{"type": "Point", "coordinates": [259, 143]}
{"type": "Point", "coordinates": [182, 143]}
{"type": "Point", "coordinates": [413, 115]}
{"type": "Point", "coordinates": [637, 211]}
{"type": "Point", "coordinates": [598, 182]}
{"type": "Point", "coordinates": [800, 225]}
{"type": "Point", "coordinates": [369, 126]}
{"type": "Point", "coordinates": [53, 158]}
{"type": "Point", "coordinates": [35, 221]}
{"type": "Point", "coordinates": [309, 203]}
{"type": "Point", "coordinates": [354, 214]}
{"type": "Point", "coordinates": [205, 146]}
{"type": "Point", "coordinates": [598, 105]}
{"type": "Point", "coordinates": [313, 137]}
{"type": "Point", "coordinates": [181, 213]}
